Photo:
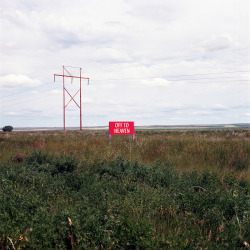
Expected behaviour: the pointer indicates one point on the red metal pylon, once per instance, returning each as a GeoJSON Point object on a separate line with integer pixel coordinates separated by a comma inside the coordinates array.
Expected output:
{"type": "Point", "coordinates": [72, 97]}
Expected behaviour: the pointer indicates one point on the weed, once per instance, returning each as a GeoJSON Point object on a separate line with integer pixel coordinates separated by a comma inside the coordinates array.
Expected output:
{"type": "Point", "coordinates": [82, 196]}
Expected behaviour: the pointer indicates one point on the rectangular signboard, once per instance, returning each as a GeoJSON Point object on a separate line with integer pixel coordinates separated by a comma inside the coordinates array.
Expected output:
{"type": "Point", "coordinates": [121, 128]}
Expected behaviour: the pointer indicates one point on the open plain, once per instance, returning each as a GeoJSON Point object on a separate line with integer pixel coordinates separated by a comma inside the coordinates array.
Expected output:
{"type": "Point", "coordinates": [169, 189]}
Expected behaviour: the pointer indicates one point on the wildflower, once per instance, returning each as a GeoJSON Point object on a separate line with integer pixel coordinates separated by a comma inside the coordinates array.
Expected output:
{"type": "Point", "coordinates": [235, 194]}
{"type": "Point", "coordinates": [226, 244]}
{"type": "Point", "coordinates": [169, 195]}
{"type": "Point", "coordinates": [70, 222]}
{"type": "Point", "coordinates": [246, 244]}
{"type": "Point", "coordinates": [27, 230]}
{"type": "Point", "coordinates": [174, 194]}
{"type": "Point", "coordinates": [112, 217]}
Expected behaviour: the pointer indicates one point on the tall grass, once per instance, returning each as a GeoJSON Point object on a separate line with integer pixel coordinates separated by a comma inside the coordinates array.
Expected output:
{"type": "Point", "coordinates": [224, 151]}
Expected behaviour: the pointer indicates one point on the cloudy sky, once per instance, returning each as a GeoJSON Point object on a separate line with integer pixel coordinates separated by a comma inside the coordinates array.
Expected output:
{"type": "Point", "coordinates": [154, 62]}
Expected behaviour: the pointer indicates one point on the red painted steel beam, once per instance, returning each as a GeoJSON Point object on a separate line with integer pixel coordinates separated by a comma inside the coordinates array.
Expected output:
{"type": "Point", "coordinates": [72, 97]}
{"type": "Point", "coordinates": [72, 76]}
{"type": "Point", "coordinates": [63, 102]}
{"type": "Point", "coordinates": [80, 99]}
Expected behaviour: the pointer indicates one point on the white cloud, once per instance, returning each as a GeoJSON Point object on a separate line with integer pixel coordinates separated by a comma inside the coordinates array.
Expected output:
{"type": "Point", "coordinates": [156, 82]}
{"type": "Point", "coordinates": [30, 113]}
{"type": "Point", "coordinates": [56, 91]}
{"type": "Point", "coordinates": [110, 54]}
{"type": "Point", "coordinates": [13, 81]}
{"type": "Point", "coordinates": [219, 107]}
{"type": "Point", "coordinates": [11, 113]}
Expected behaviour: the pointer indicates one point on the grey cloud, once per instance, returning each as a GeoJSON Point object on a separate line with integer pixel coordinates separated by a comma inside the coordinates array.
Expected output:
{"type": "Point", "coordinates": [193, 108]}
{"type": "Point", "coordinates": [219, 43]}
{"type": "Point", "coordinates": [64, 40]}
{"type": "Point", "coordinates": [213, 43]}
{"type": "Point", "coordinates": [32, 113]}
{"type": "Point", "coordinates": [240, 106]}
{"type": "Point", "coordinates": [156, 11]}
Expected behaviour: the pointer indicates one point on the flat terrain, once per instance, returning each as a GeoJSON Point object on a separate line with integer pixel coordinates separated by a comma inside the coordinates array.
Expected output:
{"type": "Point", "coordinates": [201, 149]}
{"type": "Point", "coordinates": [156, 127]}
{"type": "Point", "coordinates": [169, 189]}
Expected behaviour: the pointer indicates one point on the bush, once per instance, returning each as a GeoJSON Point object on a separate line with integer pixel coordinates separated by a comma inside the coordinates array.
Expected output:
{"type": "Point", "coordinates": [64, 164]}
{"type": "Point", "coordinates": [240, 163]}
{"type": "Point", "coordinates": [7, 128]}
{"type": "Point", "coordinates": [38, 158]}
{"type": "Point", "coordinates": [44, 162]}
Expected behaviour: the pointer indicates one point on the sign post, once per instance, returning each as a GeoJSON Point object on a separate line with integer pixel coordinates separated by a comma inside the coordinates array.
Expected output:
{"type": "Point", "coordinates": [121, 128]}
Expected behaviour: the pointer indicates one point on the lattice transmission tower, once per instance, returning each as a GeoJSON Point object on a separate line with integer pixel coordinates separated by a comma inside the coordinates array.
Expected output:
{"type": "Point", "coordinates": [66, 91]}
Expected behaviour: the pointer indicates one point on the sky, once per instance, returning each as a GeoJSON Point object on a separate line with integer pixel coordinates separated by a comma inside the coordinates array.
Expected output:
{"type": "Point", "coordinates": [154, 62]}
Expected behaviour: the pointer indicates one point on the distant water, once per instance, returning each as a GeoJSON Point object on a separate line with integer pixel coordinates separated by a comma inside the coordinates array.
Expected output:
{"type": "Point", "coordinates": [56, 128]}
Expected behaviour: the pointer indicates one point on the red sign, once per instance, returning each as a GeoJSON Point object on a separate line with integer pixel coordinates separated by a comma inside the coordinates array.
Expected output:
{"type": "Point", "coordinates": [121, 128]}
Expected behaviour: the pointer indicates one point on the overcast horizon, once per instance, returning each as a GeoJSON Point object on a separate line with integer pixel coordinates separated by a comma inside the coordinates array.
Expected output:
{"type": "Point", "coordinates": [228, 125]}
{"type": "Point", "coordinates": [154, 62]}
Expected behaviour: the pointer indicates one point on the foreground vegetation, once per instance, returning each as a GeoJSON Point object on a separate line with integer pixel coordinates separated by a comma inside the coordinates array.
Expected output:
{"type": "Point", "coordinates": [167, 190]}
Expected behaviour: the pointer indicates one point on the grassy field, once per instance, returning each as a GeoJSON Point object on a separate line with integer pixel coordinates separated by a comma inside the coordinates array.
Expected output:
{"type": "Point", "coordinates": [185, 189]}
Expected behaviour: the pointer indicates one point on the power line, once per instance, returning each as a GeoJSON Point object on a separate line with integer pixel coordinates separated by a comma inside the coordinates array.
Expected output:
{"type": "Point", "coordinates": [27, 90]}
{"type": "Point", "coordinates": [183, 79]}
{"type": "Point", "coordinates": [151, 77]}
{"type": "Point", "coordinates": [146, 84]}
{"type": "Point", "coordinates": [36, 93]}
{"type": "Point", "coordinates": [212, 80]}
{"type": "Point", "coordinates": [186, 75]}
{"type": "Point", "coordinates": [112, 84]}
{"type": "Point", "coordinates": [29, 100]}
{"type": "Point", "coordinates": [134, 84]}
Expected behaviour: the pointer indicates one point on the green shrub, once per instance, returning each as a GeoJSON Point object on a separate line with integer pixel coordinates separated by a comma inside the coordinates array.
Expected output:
{"type": "Point", "coordinates": [44, 162]}
{"type": "Point", "coordinates": [240, 163]}
{"type": "Point", "coordinates": [7, 128]}
{"type": "Point", "coordinates": [38, 157]}
{"type": "Point", "coordinates": [64, 164]}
